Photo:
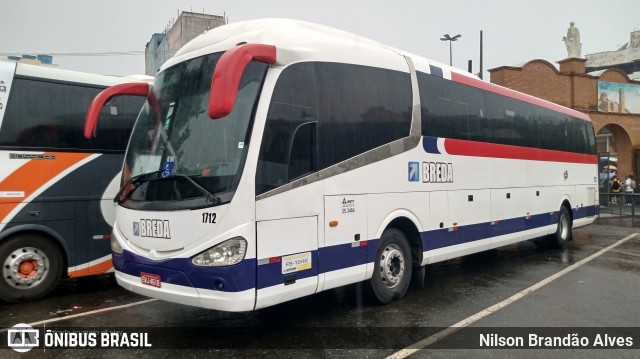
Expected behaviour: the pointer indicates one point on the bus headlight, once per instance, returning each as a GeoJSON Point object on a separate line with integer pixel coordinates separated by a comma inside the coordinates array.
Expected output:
{"type": "Point", "coordinates": [115, 245]}
{"type": "Point", "coordinates": [227, 253]}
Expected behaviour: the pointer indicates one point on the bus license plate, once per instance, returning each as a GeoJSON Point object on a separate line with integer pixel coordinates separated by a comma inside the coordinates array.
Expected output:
{"type": "Point", "coordinates": [150, 279]}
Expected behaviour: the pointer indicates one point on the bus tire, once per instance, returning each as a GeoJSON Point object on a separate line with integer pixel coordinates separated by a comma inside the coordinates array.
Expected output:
{"type": "Point", "coordinates": [561, 238]}
{"type": "Point", "coordinates": [418, 277]}
{"type": "Point", "coordinates": [31, 267]}
{"type": "Point", "coordinates": [392, 267]}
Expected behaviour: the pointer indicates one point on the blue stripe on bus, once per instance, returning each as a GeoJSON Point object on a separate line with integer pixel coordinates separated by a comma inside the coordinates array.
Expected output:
{"type": "Point", "coordinates": [430, 144]}
{"type": "Point", "coordinates": [270, 274]}
{"type": "Point", "coordinates": [247, 274]}
{"type": "Point", "coordinates": [328, 259]}
{"type": "Point", "coordinates": [446, 237]}
{"type": "Point", "coordinates": [435, 71]}
{"type": "Point", "coordinates": [180, 271]}
{"type": "Point", "coordinates": [345, 255]}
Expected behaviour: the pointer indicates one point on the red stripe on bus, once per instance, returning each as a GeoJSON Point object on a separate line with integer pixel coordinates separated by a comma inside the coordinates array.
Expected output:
{"type": "Point", "coordinates": [33, 175]}
{"type": "Point", "coordinates": [487, 86]}
{"type": "Point", "coordinates": [483, 149]}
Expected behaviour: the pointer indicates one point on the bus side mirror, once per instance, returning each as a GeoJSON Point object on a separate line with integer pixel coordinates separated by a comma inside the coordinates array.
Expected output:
{"type": "Point", "coordinates": [132, 88]}
{"type": "Point", "coordinates": [228, 72]}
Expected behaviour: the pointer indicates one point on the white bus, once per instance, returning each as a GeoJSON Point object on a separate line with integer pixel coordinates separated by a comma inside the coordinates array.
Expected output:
{"type": "Point", "coordinates": [275, 159]}
{"type": "Point", "coordinates": [56, 186]}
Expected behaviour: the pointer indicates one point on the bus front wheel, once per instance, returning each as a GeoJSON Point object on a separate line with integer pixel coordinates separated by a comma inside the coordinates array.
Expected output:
{"type": "Point", "coordinates": [31, 267]}
{"type": "Point", "coordinates": [392, 267]}
{"type": "Point", "coordinates": [561, 238]}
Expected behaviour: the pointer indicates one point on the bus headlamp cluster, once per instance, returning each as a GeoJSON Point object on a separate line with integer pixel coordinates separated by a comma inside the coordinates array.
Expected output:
{"type": "Point", "coordinates": [115, 245]}
{"type": "Point", "coordinates": [227, 253]}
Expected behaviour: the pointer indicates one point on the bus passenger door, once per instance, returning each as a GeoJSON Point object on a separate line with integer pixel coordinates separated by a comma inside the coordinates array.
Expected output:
{"type": "Point", "coordinates": [343, 258]}
{"type": "Point", "coordinates": [287, 259]}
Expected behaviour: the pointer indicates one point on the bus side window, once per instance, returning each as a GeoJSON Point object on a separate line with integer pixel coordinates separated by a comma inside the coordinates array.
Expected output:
{"type": "Point", "coordinates": [359, 108]}
{"type": "Point", "coordinates": [450, 109]}
{"type": "Point", "coordinates": [302, 155]}
{"type": "Point", "coordinates": [292, 106]}
{"type": "Point", "coordinates": [442, 106]}
{"type": "Point", "coordinates": [579, 134]}
{"type": "Point", "coordinates": [591, 140]}
{"type": "Point", "coordinates": [44, 135]}
{"type": "Point", "coordinates": [502, 119]}
{"type": "Point", "coordinates": [525, 127]}
{"type": "Point", "coordinates": [555, 134]}
{"type": "Point", "coordinates": [49, 114]}
{"type": "Point", "coordinates": [115, 123]}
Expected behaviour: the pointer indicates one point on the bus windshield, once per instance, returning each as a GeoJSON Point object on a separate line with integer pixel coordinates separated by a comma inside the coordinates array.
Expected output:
{"type": "Point", "coordinates": [175, 137]}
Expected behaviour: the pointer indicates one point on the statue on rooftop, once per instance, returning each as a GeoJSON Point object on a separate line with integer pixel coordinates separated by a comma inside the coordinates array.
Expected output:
{"type": "Point", "coordinates": [572, 41]}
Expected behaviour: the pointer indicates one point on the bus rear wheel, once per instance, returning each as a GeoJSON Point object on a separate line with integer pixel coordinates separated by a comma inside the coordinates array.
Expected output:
{"type": "Point", "coordinates": [392, 267]}
{"type": "Point", "coordinates": [31, 267]}
{"type": "Point", "coordinates": [561, 238]}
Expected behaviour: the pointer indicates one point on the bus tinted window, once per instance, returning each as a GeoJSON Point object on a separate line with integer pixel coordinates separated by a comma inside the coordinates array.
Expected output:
{"type": "Point", "coordinates": [554, 131]}
{"type": "Point", "coordinates": [454, 110]}
{"type": "Point", "coordinates": [519, 124]}
{"type": "Point", "coordinates": [479, 124]}
{"type": "Point", "coordinates": [356, 108]}
{"type": "Point", "coordinates": [579, 134]}
{"type": "Point", "coordinates": [360, 108]}
{"type": "Point", "coordinates": [502, 115]}
{"type": "Point", "coordinates": [50, 115]}
{"type": "Point", "coordinates": [591, 138]}
{"type": "Point", "coordinates": [445, 108]}
{"type": "Point", "coordinates": [292, 106]}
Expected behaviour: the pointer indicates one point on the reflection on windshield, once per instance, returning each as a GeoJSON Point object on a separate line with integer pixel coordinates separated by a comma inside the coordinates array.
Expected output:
{"type": "Point", "coordinates": [175, 135]}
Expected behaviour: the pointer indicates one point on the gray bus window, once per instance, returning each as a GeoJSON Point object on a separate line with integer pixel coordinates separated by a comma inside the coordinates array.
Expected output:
{"type": "Point", "coordinates": [359, 108]}
{"type": "Point", "coordinates": [50, 115]}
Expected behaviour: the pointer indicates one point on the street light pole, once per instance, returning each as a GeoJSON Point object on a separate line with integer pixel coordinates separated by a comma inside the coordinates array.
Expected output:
{"type": "Point", "coordinates": [446, 37]}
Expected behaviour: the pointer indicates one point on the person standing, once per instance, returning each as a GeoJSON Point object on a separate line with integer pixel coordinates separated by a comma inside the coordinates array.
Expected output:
{"type": "Point", "coordinates": [615, 189]}
{"type": "Point", "coordinates": [628, 190]}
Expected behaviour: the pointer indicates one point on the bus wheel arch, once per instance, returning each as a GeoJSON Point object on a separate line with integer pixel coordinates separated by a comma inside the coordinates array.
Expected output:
{"type": "Point", "coordinates": [408, 226]}
{"type": "Point", "coordinates": [410, 230]}
{"type": "Point", "coordinates": [563, 233]}
{"type": "Point", "coordinates": [397, 262]}
{"type": "Point", "coordinates": [33, 263]}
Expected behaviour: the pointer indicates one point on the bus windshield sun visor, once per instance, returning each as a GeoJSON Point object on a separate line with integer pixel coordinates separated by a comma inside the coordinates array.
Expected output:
{"type": "Point", "coordinates": [132, 89]}
{"type": "Point", "coordinates": [228, 72]}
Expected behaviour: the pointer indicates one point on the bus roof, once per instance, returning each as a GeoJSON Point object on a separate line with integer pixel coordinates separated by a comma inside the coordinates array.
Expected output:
{"type": "Point", "coordinates": [297, 41]}
{"type": "Point", "coordinates": [54, 73]}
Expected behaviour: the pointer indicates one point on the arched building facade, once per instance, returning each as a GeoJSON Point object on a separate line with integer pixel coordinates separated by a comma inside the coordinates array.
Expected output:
{"type": "Point", "coordinates": [609, 97]}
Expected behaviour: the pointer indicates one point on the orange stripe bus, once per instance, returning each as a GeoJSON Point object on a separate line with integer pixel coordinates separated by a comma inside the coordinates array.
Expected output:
{"type": "Point", "coordinates": [56, 187]}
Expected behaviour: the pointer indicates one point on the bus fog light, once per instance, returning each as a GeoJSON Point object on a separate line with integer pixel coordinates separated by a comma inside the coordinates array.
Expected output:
{"type": "Point", "coordinates": [115, 245]}
{"type": "Point", "coordinates": [226, 253]}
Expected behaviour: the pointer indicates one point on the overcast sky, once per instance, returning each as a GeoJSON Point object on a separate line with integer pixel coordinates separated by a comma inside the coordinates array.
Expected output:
{"type": "Point", "coordinates": [514, 31]}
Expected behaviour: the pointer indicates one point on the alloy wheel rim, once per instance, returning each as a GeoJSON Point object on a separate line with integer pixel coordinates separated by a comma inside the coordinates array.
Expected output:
{"type": "Point", "coordinates": [25, 267]}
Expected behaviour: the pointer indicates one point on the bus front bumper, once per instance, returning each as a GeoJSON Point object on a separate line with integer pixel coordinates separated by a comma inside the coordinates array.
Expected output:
{"type": "Point", "coordinates": [225, 301]}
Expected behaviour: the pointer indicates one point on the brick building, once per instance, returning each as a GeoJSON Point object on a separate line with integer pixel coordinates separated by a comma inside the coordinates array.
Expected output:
{"type": "Point", "coordinates": [617, 126]}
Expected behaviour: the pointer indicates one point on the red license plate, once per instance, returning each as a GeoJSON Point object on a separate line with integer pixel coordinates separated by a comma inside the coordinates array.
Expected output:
{"type": "Point", "coordinates": [150, 279]}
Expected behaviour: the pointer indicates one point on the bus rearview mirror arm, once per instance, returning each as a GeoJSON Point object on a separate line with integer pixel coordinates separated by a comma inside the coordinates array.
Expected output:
{"type": "Point", "coordinates": [132, 88]}
{"type": "Point", "coordinates": [228, 72]}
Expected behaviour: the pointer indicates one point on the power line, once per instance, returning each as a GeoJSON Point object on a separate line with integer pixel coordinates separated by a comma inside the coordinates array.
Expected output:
{"type": "Point", "coordinates": [76, 54]}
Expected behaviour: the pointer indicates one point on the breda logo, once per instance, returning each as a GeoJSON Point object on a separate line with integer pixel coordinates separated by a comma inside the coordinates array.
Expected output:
{"type": "Point", "coordinates": [152, 228]}
{"type": "Point", "coordinates": [437, 172]}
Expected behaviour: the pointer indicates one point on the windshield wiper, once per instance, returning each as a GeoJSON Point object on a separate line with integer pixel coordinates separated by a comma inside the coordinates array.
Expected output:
{"type": "Point", "coordinates": [135, 179]}
{"type": "Point", "coordinates": [209, 197]}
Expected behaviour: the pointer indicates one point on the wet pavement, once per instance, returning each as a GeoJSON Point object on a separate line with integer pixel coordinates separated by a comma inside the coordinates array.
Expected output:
{"type": "Point", "coordinates": [344, 322]}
